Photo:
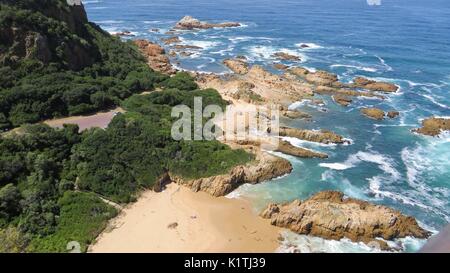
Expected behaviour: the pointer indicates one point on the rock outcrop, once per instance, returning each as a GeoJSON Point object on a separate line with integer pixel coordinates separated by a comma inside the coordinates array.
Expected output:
{"type": "Point", "coordinates": [70, 44]}
{"type": "Point", "coordinates": [125, 33]}
{"type": "Point", "coordinates": [289, 149]}
{"type": "Point", "coordinates": [361, 82]}
{"type": "Point", "coordinates": [434, 126]}
{"type": "Point", "coordinates": [171, 40]}
{"type": "Point", "coordinates": [265, 167]}
{"type": "Point", "coordinates": [393, 114]}
{"type": "Point", "coordinates": [156, 56]}
{"type": "Point", "coordinates": [280, 66]}
{"type": "Point", "coordinates": [295, 114]}
{"type": "Point", "coordinates": [183, 47]}
{"type": "Point", "coordinates": [328, 90]}
{"type": "Point", "coordinates": [286, 56]}
{"type": "Point", "coordinates": [342, 100]}
{"type": "Point", "coordinates": [190, 23]}
{"type": "Point", "coordinates": [330, 215]}
{"type": "Point", "coordinates": [280, 89]}
{"type": "Point", "coordinates": [378, 114]}
{"type": "Point", "coordinates": [322, 136]}
{"type": "Point", "coordinates": [373, 113]}
{"type": "Point", "coordinates": [321, 77]}
{"type": "Point", "coordinates": [299, 71]}
{"type": "Point", "coordinates": [237, 65]}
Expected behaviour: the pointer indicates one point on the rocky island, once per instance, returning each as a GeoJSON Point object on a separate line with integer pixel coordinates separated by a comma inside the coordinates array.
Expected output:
{"type": "Point", "coordinates": [190, 23]}
{"type": "Point", "coordinates": [434, 126]}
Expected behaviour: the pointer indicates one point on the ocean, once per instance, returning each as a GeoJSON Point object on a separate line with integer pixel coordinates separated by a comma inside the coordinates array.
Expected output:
{"type": "Point", "coordinates": [406, 42]}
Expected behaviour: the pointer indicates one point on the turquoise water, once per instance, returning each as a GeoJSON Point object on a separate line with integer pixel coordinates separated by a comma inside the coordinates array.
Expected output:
{"type": "Point", "coordinates": [406, 42]}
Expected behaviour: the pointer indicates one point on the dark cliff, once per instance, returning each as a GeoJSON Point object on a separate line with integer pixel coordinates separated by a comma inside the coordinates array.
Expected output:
{"type": "Point", "coordinates": [46, 30]}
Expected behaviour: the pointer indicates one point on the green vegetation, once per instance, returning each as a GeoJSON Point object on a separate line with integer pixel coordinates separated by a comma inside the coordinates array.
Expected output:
{"type": "Point", "coordinates": [137, 148]}
{"type": "Point", "coordinates": [72, 67]}
{"type": "Point", "coordinates": [53, 181]}
{"type": "Point", "coordinates": [181, 81]}
{"type": "Point", "coordinates": [82, 217]}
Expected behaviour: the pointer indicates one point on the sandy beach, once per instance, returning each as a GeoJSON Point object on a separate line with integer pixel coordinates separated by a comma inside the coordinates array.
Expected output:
{"type": "Point", "coordinates": [179, 220]}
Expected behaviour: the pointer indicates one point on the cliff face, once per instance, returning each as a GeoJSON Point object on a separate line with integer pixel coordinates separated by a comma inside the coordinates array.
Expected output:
{"type": "Point", "coordinates": [48, 31]}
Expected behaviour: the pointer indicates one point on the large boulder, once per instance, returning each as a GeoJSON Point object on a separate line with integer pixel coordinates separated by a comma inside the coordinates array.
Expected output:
{"type": "Point", "coordinates": [331, 215]}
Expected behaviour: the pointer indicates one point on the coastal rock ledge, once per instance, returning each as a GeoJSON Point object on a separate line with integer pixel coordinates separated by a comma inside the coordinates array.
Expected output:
{"type": "Point", "coordinates": [330, 215]}
{"type": "Point", "coordinates": [264, 168]}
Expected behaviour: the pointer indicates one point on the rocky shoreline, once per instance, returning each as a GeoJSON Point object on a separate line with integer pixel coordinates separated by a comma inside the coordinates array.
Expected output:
{"type": "Point", "coordinates": [329, 215]}
{"type": "Point", "coordinates": [333, 216]}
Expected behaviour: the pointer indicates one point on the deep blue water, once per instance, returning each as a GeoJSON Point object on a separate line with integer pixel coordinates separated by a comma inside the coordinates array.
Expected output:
{"type": "Point", "coordinates": [406, 42]}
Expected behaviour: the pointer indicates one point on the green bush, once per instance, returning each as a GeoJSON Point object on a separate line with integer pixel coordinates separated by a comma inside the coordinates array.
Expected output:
{"type": "Point", "coordinates": [82, 217]}
{"type": "Point", "coordinates": [181, 81]}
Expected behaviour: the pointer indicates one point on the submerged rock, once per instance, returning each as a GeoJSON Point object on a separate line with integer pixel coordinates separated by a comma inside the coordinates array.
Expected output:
{"type": "Point", "coordinates": [373, 113]}
{"type": "Point", "coordinates": [434, 126]}
{"type": "Point", "coordinates": [286, 56]}
{"type": "Point", "coordinates": [342, 100]}
{"type": "Point", "coordinates": [190, 23]}
{"type": "Point", "coordinates": [330, 215]}
{"type": "Point", "coordinates": [171, 40]}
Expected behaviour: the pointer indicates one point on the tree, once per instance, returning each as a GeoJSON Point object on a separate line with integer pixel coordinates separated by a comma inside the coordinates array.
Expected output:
{"type": "Point", "coordinates": [9, 202]}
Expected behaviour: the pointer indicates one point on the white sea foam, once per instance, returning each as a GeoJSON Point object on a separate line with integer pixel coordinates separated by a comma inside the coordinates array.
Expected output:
{"type": "Point", "coordinates": [362, 68]}
{"type": "Point", "coordinates": [383, 63]}
{"type": "Point", "coordinates": [92, 8]}
{"type": "Point", "coordinates": [301, 143]}
{"type": "Point", "coordinates": [223, 52]}
{"type": "Point", "coordinates": [205, 45]}
{"type": "Point", "coordinates": [336, 166]}
{"type": "Point", "coordinates": [433, 100]}
{"type": "Point", "coordinates": [263, 53]}
{"type": "Point", "coordinates": [88, 2]}
{"type": "Point", "coordinates": [385, 163]}
{"type": "Point", "coordinates": [308, 244]}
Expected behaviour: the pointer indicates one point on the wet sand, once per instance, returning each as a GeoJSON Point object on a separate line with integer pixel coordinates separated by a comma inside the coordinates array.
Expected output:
{"type": "Point", "coordinates": [179, 220]}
